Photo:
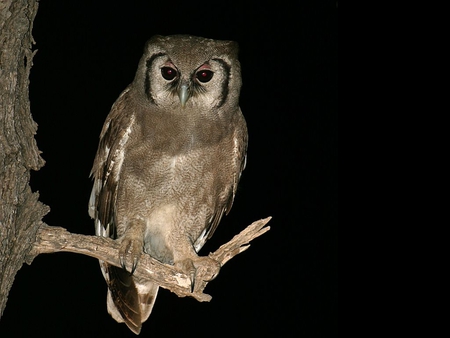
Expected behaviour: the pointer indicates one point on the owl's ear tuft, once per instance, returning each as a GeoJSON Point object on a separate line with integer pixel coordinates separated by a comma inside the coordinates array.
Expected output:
{"type": "Point", "coordinates": [226, 49]}
{"type": "Point", "coordinates": [234, 45]}
{"type": "Point", "coordinates": [152, 41]}
{"type": "Point", "coordinates": [231, 48]}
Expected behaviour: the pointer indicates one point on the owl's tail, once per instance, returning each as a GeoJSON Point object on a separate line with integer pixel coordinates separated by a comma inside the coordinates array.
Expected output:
{"type": "Point", "coordinates": [129, 301]}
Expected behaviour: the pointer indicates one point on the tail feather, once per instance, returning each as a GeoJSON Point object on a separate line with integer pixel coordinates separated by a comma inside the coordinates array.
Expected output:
{"type": "Point", "coordinates": [128, 300]}
{"type": "Point", "coordinates": [147, 296]}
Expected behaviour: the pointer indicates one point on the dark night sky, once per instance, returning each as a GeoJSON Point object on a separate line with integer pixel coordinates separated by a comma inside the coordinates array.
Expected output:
{"type": "Point", "coordinates": [285, 285]}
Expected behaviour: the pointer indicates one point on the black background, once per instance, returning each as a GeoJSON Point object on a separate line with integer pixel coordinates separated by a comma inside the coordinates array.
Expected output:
{"type": "Point", "coordinates": [285, 285]}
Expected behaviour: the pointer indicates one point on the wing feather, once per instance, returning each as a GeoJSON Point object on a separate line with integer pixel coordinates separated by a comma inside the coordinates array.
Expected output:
{"type": "Point", "coordinates": [107, 166]}
{"type": "Point", "coordinates": [240, 140]}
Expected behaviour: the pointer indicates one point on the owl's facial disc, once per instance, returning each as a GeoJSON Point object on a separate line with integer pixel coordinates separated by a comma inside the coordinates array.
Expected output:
{"type": "Point", "coordinates": [181, 81]}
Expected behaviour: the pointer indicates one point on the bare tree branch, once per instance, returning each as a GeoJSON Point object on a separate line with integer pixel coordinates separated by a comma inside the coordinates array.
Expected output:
{"type": "Point", "coordinates": [55, 239]}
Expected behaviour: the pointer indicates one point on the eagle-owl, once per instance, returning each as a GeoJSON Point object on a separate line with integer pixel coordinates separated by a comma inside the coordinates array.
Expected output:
{"type": "Point", "coordinates": [170, 156]}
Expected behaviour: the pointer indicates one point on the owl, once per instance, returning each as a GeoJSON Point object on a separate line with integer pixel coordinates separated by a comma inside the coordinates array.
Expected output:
{"type": "Point", "coordinates": [169, 160]}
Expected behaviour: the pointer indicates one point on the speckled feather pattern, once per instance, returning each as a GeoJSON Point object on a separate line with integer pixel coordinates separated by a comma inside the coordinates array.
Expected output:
{"type": "Point", "coordinates": [164, 174]}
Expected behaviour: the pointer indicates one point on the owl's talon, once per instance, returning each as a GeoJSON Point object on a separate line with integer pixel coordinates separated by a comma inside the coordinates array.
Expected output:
{"type": "Point", "coordinates": [135, 263]}
{"type": "Point", "coordinates": [187, 267]}
{"type": "Point", "coordinates": [130, 250]}
{"type": "Point", "coordinates": [192, 276]}
{"type": "Point", "coordinates": [199, 270]}
{"type": "Point", "coordinates": [122, 262]}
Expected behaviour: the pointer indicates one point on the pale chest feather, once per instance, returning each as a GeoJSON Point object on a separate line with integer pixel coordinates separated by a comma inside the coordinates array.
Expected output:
{"type": "Point", "coordinates": [190, 169]}
{"type": "Point", "coordinates": [174, 150]}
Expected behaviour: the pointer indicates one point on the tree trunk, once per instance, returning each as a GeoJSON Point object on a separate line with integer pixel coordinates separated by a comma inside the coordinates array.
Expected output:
{"type": "Point", "coordinates": [20, 211]}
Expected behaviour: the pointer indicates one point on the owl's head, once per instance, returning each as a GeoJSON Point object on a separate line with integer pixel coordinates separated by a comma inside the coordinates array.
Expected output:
{"type": "Point", "coordinates": [185, 71]}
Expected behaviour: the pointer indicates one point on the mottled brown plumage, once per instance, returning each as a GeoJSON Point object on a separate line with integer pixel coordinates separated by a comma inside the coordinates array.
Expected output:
{"type": "Point", "coordinates": [170, 156]}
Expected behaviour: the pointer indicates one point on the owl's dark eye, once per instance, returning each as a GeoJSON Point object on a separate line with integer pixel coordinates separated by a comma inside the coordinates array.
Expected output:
{"type": "Point", "coordinates": [204, 75]}
{"type": "Point", "coordinates": [168, 73]}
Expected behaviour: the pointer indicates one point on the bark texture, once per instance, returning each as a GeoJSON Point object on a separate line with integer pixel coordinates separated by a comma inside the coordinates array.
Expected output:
{"type": "Point", "coordinates": [20, 211]}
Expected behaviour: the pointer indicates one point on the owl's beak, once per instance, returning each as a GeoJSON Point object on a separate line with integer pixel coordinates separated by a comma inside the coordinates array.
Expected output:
{"type": "Point", "coordinates": [183, 94]}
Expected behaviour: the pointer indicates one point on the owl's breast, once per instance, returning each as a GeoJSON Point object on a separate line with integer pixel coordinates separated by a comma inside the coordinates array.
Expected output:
{"type": "Point", "coordinates": [187, 161]}
{"type": "Point", "coordinates": [168, 168]}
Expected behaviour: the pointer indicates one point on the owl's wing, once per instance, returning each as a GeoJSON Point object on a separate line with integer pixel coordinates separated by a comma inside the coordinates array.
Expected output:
{"type": "Point", "coordinates": [240, 140]}
{"type": "Point", "coordinates": [124, 299]}
{"type": "Point", "coordinates": [107, 166]}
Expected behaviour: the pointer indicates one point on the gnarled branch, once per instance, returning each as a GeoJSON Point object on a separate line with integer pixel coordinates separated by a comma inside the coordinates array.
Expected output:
{"type": "Point", "coordinates": [56, 239]}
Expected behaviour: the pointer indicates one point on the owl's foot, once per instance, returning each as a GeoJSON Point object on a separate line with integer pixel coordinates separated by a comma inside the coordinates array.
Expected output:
{"type": "Point", "coordinates": [200, 270]}
{"type": "Point", "coordinates": [129, 253]}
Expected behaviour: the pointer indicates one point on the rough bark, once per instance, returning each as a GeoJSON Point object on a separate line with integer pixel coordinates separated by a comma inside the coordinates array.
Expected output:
{"type": "Point", "coordinates": [20, 211]}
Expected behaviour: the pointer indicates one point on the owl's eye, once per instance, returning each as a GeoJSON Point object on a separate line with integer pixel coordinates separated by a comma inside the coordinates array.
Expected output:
{"type": "Point", "coordinates": [168, 73]}
{"type": "Point", "coordinates": [204, 75]}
